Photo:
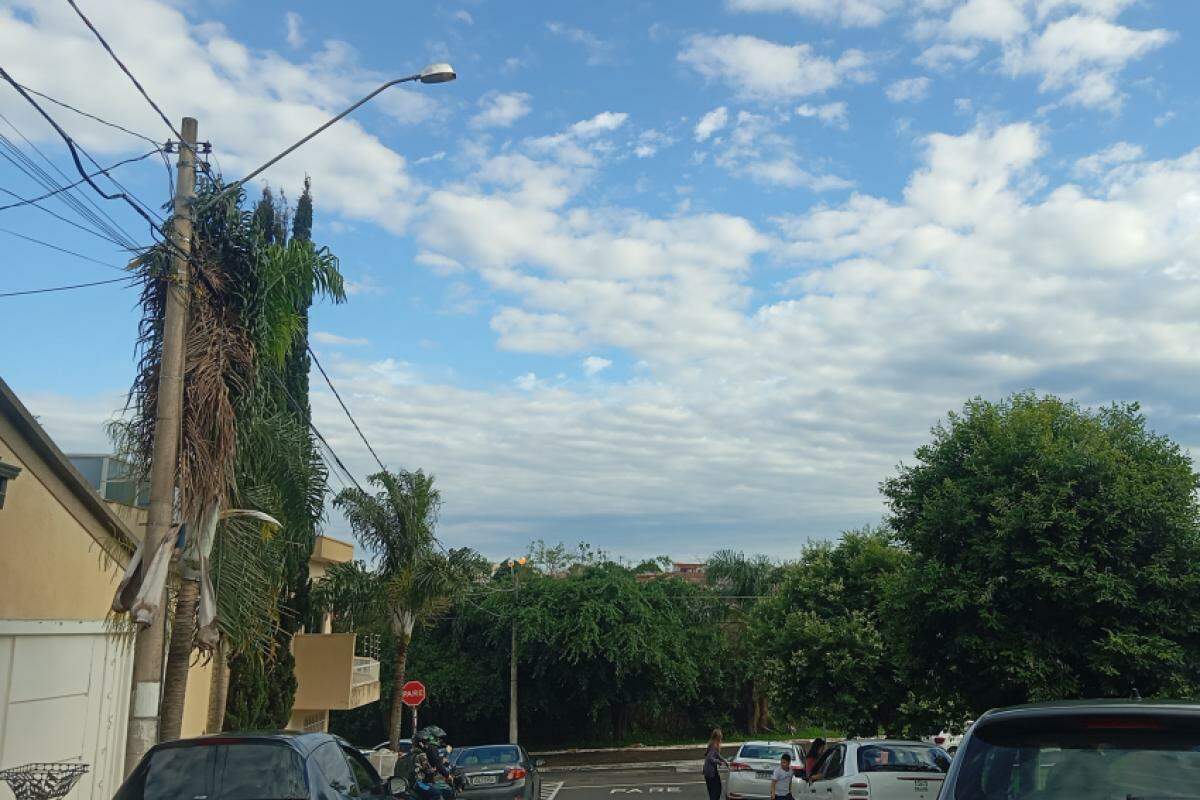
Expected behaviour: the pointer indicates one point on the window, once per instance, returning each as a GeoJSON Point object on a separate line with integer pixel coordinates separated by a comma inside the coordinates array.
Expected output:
{"type": "Point", "coordinates": [500, 754]}
{"type": "Point", "coordinates": [901, 758]}
{"type": "Point", "coordinates": [1071, 758]}
{"type": "Point", "coordinates": [364, 774]}
{"type": "Point", "coordinates": [833, 766]}
{"type": "Point", "coordinates": [766, 752]}
{"type": "Point", "coordinates": [333, 766]}
{"type": "Point", "coordinates": [237, 771]}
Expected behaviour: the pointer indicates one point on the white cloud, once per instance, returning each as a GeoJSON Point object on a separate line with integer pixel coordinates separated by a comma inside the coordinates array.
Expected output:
{"type": "Point", "coordinates": [711, 122]}
{"type": "Point", "coordinates": [1084, 55]}
{"type": "Point", "coordinates": [254, 103]}
{"type": "Point", "coordinates": [292, 23]}
{"type": "Point", "coordinates": [604, 122]}
{"type": "Point", "coordinates": [1163, 118]}
{"type": "Point", "coordinates": [464, 16]}
{"type": "Point", "coordinates": [1097, 163]}
{"type": "Point", "coordinates": [761, 70]}
{"type": "Point", "coordinates": [831, 114]}
{"type": "Point", "coordinates": [528, 382]}
{"type": "Point", "coordinates": [535, 333]}
{"type": "Point", "coordinates": [501, 109]}
{"type": "Point", "coordinates": [594, 365]}
{"type": "Point", "coordinates": [852, 13]}
{"type": "Point", "coordinates": [755, 149]}
{"type": "Point", "coordinates": [650, 141]}
{"type": "Point", "coordinates": [599, 52]}
{"type": "Point", "coordinates": [334, 340]}
{"type": "Point", "coordinates": [908, 90]}
{"type": "Point", "coordinates": [992, 20]}
{"type": "Point", "coordinates": [938, 57]}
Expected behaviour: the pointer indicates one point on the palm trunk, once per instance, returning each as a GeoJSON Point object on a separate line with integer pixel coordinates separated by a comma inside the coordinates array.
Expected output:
{"type": "Point", "coordinates": [397, 719]}
{"type": "Point", "coordinates": [219, 692]}
{"type": "Point", "coordinates": [179, 656]}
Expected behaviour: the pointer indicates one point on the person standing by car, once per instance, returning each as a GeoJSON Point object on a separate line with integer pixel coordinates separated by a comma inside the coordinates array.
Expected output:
{"type": "Point", "coordinates": [712, 759]}
{"type": "Point", "coordinates": [815, 751]}
{"type": "Point", "coordinates": [781, 779]}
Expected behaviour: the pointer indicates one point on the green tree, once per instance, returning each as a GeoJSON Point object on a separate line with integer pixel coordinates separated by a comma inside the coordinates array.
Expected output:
{"type": "Point", "coordinates": [817, 644]}
{"type": "Point", "coordinates": [1054, 555]}
{"type": "Point", "coordinates": [412, 578]}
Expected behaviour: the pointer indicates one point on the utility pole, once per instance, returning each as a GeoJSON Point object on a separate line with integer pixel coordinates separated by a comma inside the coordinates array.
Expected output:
{"type": "Point", "coordinates": [148, 650]}
{"type": "Point", "coordinates": [512, 654]}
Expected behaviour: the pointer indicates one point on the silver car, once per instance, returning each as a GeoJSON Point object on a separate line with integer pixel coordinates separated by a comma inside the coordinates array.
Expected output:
{"type": "Point", "coordinates": [750, 770]}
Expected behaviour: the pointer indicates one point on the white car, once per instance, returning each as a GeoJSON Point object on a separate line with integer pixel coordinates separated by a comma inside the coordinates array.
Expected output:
{"type": "Point", "coordinates": [949, 741]}
{"type": "Point", "coordinates": [750, 770]}
{"type": "Point", "coordinates": [879, 769]}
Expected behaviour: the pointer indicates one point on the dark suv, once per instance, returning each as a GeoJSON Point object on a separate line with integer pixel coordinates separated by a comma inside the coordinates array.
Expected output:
{"type": "Point", "coordinates": [254, 766]}
{"type": "Point", "coordinates": [1080, 750]}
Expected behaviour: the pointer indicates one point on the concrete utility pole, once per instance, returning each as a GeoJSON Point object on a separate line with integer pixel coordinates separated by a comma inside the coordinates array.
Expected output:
{"type": "Point", "coordinates": [512, 655]}
{"type": "Point", "coordinates": [148, 651]}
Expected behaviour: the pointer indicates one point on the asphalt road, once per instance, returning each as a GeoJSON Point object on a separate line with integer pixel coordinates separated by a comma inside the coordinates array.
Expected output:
{"type": "Point", "coordinates": [634, 784]}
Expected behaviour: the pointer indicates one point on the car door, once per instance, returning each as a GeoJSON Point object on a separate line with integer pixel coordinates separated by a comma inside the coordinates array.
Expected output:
{"type": "Point", "coordinates": [830, 786]}
{"type": "Point", "coordinates": [365, 775]}
{"type": "Point", "coordinates": [534, 776]}
{"type": "Point", "coordinates": [338, 779]}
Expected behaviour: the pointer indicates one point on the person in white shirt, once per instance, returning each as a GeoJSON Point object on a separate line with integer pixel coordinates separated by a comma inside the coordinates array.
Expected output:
{"type": "Point", "coordinates": [781, 778]}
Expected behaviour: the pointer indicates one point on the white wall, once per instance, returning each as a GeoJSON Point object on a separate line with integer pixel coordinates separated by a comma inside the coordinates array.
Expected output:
{"type": "Point", "coordinates": [64, 696]}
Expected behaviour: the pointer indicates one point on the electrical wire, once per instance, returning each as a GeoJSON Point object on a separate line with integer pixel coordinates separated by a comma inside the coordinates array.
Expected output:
{"type": "Point", "coordinates": [59, 249]}
{"type": "Point", "coordinates": [101, 171]}
{"type": "Point", "coordinates": [349, 416]}
{"type": "Point", "coordinates": [66, 288]}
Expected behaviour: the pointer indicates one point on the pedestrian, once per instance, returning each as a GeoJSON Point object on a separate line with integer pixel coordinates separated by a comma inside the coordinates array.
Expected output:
{"type": "Point", "coordinates": [781, 778]}
{"type": "Point", "coordinates": [815, 751]}
{"type": "Point", "coordinates": [712, 759]}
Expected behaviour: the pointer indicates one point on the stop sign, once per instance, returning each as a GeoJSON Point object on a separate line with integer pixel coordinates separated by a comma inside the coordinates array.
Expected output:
{"type": "Point", "coordinates": [414, 693]}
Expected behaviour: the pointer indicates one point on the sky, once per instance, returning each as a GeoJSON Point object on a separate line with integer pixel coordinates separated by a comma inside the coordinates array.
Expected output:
{"type": "Point", "coordinates": [665, 277]}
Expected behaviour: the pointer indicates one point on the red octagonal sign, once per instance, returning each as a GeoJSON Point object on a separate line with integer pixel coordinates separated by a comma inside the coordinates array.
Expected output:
{"type": "Point", "coordinates": [414, 693]}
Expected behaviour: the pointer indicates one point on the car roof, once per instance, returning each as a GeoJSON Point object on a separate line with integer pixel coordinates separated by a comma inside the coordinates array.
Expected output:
{"type": "Point", "coordinates": [1066, 707]}
{"type": "Point", "coordinates": [300, 741]}
{"type": "Point", "coordinates": [769, 743]}
{"type": "Point", "coordinates": [911, 742]}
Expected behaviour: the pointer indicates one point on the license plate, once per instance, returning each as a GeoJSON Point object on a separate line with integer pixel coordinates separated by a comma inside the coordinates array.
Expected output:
{"type": "Point", "coordinates": [483, 780]}
{"type": "Point", "coordinates": [763, 776]}
{"type": "Point", "coordinates": [921, 786]}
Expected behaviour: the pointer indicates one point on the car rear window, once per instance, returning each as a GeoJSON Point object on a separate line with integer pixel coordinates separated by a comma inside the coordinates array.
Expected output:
{"type": "Point", "coordinates": [902, 758]}
{"type": "Point", "coordinates": [500, 754]}
{"type": "Point", "coordinates": [240, 771]}
{"type": "Point", "coordinates": [765, 751]}
{"type": "Point", "coordinates": [1127, 757]}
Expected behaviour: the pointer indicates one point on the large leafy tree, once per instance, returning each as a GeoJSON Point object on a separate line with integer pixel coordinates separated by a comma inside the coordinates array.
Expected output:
{"type": "Point", "coordinates": [817, 642]}
{"type": "Point", "coordinates": [411, 578]}
{"type": "Point", "coordinates": [1054, 554]}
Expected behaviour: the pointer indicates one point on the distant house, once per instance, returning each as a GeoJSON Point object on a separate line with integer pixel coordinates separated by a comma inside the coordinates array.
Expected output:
{"type": "Point", "coordinates": [692, 572]}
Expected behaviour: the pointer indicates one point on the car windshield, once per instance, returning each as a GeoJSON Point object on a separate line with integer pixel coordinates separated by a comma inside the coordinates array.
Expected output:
{"type": "Point", "coordinates": [1096, 757]}
{"type": "Point", "coordinates": [902, 758]}
{"type": "Point", "coordinates": [768, 752]}
{"type": "Point", "coordinates": [478, 756]}
{"type": "Point", "coordinates": [241, 771]}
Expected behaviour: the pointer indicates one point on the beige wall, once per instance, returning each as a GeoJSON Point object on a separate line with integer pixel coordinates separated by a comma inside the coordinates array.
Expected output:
{"type": "Point", "coordinates": [50, 565]}
{"type": "Point", "coordinates": [195, 702]}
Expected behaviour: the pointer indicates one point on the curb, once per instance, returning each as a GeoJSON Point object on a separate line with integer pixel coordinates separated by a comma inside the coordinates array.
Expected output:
{"type": "Point", "coordinates": [678, 766]}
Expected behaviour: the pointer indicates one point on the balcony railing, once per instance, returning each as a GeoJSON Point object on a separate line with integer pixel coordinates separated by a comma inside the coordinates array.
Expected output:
{"type": "Point", "coordinates": [366, 670]}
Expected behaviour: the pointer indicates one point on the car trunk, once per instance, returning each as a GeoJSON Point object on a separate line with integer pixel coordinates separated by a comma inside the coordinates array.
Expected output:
{"type": "Point", "coordinates": [896, 785]}
{"type": "Point", "coordinates": [762, 767]}
{"type": "Point", "coordinates": [487, 776]}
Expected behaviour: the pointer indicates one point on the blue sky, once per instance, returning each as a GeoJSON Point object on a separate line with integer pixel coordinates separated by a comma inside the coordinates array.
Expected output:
{"type": "Point", "coordinates": [665, 277]}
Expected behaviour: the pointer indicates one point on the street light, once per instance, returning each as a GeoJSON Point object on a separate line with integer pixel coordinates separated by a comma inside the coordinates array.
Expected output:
{"type": "Point", "coordinates": [434, 73]}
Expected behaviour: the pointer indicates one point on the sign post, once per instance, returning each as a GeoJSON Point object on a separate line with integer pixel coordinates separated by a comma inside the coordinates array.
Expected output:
{"type": "Point", "coordinates": [413, 694]}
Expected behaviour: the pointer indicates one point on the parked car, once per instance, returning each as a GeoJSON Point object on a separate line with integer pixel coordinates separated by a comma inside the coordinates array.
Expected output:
{"type": "Point", "coordinates": [1080, 749]}
{"type": "Point", "coordinates": [879, 769]}
{"type": "Point", "coordinates": [947, 740]}
{"type": "Point", "coordinates": [256, 766]}
{"type": "Point", "coordinates": [497, 772]}
{"type": "Point", "coordinates": [404, 746]}
{"type": "Point", "coordinates": [750, 769]}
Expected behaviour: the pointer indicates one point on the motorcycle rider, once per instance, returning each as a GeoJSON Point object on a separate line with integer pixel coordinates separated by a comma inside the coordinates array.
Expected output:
{"type": "Point", "coordinates": [426, 768]}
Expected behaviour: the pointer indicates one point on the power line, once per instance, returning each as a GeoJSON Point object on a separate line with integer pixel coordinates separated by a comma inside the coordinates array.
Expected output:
{"type": "Point", "coordinates": [59, 249]}
{"type": "Point", "coordinates": [125, 69]}
{"type": "Point", "coordinates": [65, 288]}
{"type": "Point", "coordinates": [102, 171]}
{"type": "Point", "coordinates": [349, 416]}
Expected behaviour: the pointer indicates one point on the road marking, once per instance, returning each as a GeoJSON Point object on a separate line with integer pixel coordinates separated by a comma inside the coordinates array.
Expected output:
{"type": "Point", "coordinates": [649, 790]}
{"type": "Point", "coordinates": [638, 786]}
{"type": "Point", "coordinates": [551, 790]}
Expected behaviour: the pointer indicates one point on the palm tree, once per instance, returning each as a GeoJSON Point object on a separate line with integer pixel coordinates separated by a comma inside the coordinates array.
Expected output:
{"type": "Point", "coordinates": [411, 579]}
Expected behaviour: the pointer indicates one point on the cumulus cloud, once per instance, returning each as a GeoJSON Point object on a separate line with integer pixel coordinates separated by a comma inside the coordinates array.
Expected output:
{"type": "Point", "coordinates": [758, 69]}
{"type": "Point", "coordinates": [501, 109]}
{"type": "Point", "coordinates": [335, 340]}
{"type": "Point", "coordinates": [464, 16]}
{"type": "Point", "coordinates": [851, 13]}
{"type": "Point", "coordinates": [275, 100]}
{"type": "Point", "coordinates": [711, 122]}
{"type": "Point", "coordinates": [292, 25]}
{"type": "Point", "coordinates": [594, 365]}
{"type": "Point", "coordinates": [831, 114]}
{"type": "Point", "coordinates": [754, 148]}
{"type": "Point", "coordinates": [1096, 163]}
{"type": "Point", "coordinates": [650, 141]}
{"type": "Point", "coordinates": [908, 90]}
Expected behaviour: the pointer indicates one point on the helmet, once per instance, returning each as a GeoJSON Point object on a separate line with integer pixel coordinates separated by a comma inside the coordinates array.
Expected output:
{"type": "Point", "coordinates": [432, 733]}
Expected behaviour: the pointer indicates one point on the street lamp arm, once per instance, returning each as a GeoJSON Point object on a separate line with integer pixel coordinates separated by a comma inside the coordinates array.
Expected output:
{"type": "Point", "coordinates": [243, 181]}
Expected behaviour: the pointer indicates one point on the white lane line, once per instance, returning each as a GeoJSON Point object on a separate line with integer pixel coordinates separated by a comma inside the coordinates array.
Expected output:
{"type": "Point", "coordinates": [551, 790]}
{"type": "Point", "coordinates": [629, 785]}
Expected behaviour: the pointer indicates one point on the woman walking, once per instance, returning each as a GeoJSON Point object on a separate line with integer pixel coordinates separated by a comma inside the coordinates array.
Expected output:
{"type": "Point", "coordinates": [712, 758]}
{"type": "Point", "coordinates": [815, 751]}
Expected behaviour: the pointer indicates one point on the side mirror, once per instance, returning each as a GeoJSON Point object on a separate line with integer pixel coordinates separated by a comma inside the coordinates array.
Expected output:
{"type": "Point", "coordinates": [397, 786]}
{"type": "Point", "coordinates": [541, 762]}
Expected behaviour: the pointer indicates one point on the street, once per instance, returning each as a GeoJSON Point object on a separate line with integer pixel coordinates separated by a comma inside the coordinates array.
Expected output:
{"type": "Point", "coordinates": [680, 784]}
